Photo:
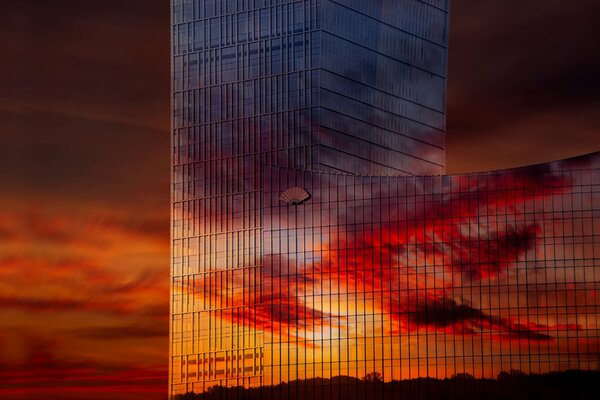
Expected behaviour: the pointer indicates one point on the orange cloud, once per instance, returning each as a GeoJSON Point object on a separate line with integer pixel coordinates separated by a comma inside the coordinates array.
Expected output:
{"type": "Point", "coordinates": [84, 279]}
{"type": "Point", "coordinates": [445, 234]}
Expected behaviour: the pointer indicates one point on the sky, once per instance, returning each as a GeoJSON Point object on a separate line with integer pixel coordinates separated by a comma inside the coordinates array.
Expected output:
{"type": "Point", "coordinates": [84, 167]}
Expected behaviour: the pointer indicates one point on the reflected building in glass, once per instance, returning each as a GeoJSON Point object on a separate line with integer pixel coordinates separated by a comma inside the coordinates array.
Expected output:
{"type": "Point", "coordinates": [318, 249]}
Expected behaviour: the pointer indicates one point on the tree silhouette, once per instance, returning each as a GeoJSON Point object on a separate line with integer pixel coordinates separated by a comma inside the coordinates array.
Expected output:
{"type": "Point", "coordinates": [509, 385]}
{"type": "Point", "coordinates": [373, 377]}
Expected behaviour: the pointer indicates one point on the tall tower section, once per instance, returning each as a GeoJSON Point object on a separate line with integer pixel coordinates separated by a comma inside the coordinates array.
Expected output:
{"type": "Point", "coordinates": [382, 87]}
{"type": "Point", "coordinates": [348, 86]}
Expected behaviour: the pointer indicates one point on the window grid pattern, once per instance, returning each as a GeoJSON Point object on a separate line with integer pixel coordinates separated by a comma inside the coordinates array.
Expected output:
{"type": "Point", "coordinates": [374, 279]}
{"type": "Point", "coordinates": [382, 87]}
{"type": "Point", "coordinates": [415, 277]}
{"type": "Point", "coordinates": [243, 79]}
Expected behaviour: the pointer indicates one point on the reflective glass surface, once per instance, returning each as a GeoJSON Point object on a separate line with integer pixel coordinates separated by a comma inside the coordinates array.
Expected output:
{"type": "Point", "coordinates": [413, 277]}
{"type": "Point", "coordinates": [311, 255]}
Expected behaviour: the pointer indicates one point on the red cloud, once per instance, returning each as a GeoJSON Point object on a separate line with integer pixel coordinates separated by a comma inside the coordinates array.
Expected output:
{"type": "Point", "coordinates": [447, 315]}
{"type": "Point", "coordinates": [275, 309]}
{"type": "Point", "coordinates": [56, 380]}
{"type": "Point", "coordinates": [44, 375]}
{"type": "Point", "coordinates": [389, 257]}
{"type": "Point", "coordinates": [447, 230]}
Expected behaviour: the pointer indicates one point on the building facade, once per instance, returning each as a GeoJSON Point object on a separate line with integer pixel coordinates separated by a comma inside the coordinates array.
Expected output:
{"type": "Point", "coordinates": [317, 248]}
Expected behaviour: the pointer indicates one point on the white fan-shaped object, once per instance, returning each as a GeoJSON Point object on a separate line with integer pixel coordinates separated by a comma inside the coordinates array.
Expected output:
{"type": "Point", "coordinates": [294, 196]}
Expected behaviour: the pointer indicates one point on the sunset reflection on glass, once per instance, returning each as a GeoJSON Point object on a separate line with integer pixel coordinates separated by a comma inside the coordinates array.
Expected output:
{"type": "Point", "coordinates": [317, 247]}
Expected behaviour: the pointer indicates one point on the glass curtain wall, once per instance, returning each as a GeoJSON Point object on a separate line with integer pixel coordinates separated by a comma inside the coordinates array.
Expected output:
{"type": "Point", "coordinates": [309, 260]}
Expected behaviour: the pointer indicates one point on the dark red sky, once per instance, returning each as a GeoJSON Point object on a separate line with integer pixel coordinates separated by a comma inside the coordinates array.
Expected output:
{"type": "Point", "coordinates": [84, 165]}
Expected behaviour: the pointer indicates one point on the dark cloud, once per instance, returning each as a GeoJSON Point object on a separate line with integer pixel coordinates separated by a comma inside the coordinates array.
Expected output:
{"type": "Point", "coordinates": [483, 257]}
{"type": "Point", "coordinates": [447, 314]}
{"type": "Point", "coordinates": [42, 304]}
{"type": "Point", "coordinates": [523, 82]}
{"type": "Point", "coordinates": [136, 331]}
{"type": "Point", "coordinates": [85, 98]}
{"type": "Point", "coordinates": [85, 102]}
{"type": "Point", "coordinates": [104, 58]}
{"type": "Point", "coordinates": [54, 304]}
{"type": "Point", "coordinates": [57, 156]}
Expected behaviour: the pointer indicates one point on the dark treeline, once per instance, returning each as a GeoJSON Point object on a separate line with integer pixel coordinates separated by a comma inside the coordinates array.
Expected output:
{"type": "Point", "coordinates": [514, 385]}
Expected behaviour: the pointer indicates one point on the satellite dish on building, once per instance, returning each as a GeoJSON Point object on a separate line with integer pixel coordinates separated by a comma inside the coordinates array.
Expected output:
{"type": "Point", "coordinates": [294, 196]}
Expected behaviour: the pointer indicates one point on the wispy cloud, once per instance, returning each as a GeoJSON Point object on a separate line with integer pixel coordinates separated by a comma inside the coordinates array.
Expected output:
{"type": "Point", "coordinates": [88, 278]}
{"type": "Point", "coordinates": [141, 330]}
{"type": "Point", "coordinates": [396, 258]}
{"type": "Point", "coordinates": [42, 373]}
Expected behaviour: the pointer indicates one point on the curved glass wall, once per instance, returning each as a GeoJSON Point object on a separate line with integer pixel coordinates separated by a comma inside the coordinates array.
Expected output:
{"type": "Point", "coordinates": [376, 280]}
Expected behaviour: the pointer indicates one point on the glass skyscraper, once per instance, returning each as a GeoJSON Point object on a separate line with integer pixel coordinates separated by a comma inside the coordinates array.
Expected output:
{"type": "Point", "coordinates": [318, 251]}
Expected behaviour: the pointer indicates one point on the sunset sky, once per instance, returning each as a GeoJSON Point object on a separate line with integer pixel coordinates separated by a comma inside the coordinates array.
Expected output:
{"type": "Point", "coordinates": [84, 167]}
